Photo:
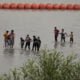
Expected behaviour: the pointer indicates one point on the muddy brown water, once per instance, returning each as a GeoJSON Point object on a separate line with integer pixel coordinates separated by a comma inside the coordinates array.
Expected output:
{"type": "Point", "coordinates": [40, 23]}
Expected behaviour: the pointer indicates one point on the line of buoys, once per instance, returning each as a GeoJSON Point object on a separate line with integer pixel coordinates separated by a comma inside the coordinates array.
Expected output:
{"type": "Point", "coordinates": [62, 6]}
{"type": "Point", "coordinates": [5, 6]}
{"type": "Point", "coordinates": [48, 6]}
{"type": "Point", "coordinates": [76, 7]}
{"type": "Point", "coordinates": [42, 6]}
{"type": "Point", "coordinates": [0, 6]}
{"type": "Point", "coordinates": [13, 6]}
{"type": "Point", "coordinates": [27, 6]}
{"type": "Point", "coordinates": [20, 6]}
{"type": "Point", "coordinates": [70, 7]}
{"type": "Point", "coordinates": [35, 6]}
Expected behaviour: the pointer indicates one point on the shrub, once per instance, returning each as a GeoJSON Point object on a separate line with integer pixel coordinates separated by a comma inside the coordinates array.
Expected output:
{"type": "Point", "coordinates": [49, 65]}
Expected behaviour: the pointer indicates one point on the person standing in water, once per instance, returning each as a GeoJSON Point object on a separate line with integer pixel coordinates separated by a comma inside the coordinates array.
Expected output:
{"type": "Point", "coordinates": [34, 46]}
{"type": "Point", "coordinates": [38, 43]}
{"type": "Point", "coordinates": [22, 42]}
{"type": "Point", "coordinates": [56, 33]}
{"type": "Point", "coordinates": [6, 38]}
{"type": "Point", "coordinates": [12, 38]}
{"type": "Point", "coordinates": [28, 41]}
{"type": "Point", "coordinates": [71, 37]}
{"type": "Point", "coordinates": [63, 34]}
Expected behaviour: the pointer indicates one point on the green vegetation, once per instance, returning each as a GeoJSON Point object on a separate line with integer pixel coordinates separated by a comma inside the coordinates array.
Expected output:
{"type": "Point", "coordinates": [49, 65]}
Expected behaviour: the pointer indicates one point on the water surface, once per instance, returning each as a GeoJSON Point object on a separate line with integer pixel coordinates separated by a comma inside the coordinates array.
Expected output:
{"type": "Point", "coordinates": [40, 23]}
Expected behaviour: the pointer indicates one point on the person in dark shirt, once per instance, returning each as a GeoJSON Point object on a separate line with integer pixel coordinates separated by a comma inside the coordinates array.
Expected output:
{"type": "Point", "coordinates": [56, 33]}
{"type": "Point", "coordinates": [38, 43]}
{"type": "Point", "coordinates": [28, 41]}
{"type": "Point", "coordinates": [22, 42]}
{"type": "Point", "coordinates": [12, 38]}
{"type": "Point", "coordinates": [34, 46]}
{"type": "Point", "coordinates": [63, 35]}
{"type": "Point", "coordinates": [71, 37]}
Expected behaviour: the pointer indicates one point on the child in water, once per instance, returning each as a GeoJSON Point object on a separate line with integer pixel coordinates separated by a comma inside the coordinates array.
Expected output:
{"type": "Point", "coordinates": [71, 37]}
{"type": "Point", "coordinates": [22, 42]}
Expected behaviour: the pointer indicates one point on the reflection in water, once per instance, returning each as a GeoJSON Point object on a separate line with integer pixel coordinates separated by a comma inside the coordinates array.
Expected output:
{"type": "Point", "coordinates": [35, 52]}
{"type": "Point", "coordinates": [71, 44]}
{"type": "Point", "coordinates": [63, 44]}
{"type": "Point", "coordinates": [23, 51]}
{"type": "Point", "coordinates": [27, 52]}
{"type": "Point", "coordinates": [9, 50]}
{"type": "Point", "coordinates": [55, 45]}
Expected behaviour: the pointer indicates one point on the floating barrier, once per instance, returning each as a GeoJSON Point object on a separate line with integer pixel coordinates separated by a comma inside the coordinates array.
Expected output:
{"type": "Point", "coordinates": [34, 6]}
{"type": "Point", "coordinates": [49, 6]}
{"type": "Point", "coordinates": [76, 7]}
{"type": "Point", "coordinates": [69, 7]}
{"type": "Point", "coordinates": [55, 6]}
{"type": "Point", "coordinates": [0, 6]}
{"type": "Point", "coordinates": [62, 6]}
{"type": "Point", "coordinates": [20, 6]}
{"type": "Point", "coordinates": [27, 6]}
{"type": "Point", "coordinates": [13, 6]}
{"type": "Point", "coordinates": [5, 6]}
{"type": "Point", "coordinates": [40, 6]}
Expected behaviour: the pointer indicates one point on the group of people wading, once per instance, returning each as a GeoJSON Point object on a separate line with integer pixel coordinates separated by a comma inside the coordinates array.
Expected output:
{"type": "Point", "coordinates": [63, 35]}
{"type": "Point", "coordinates": [25, 43]}
{"type": "Point", "coordinates": [9, 38]}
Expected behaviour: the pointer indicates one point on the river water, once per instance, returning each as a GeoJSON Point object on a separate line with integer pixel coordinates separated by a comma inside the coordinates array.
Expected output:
{"type": "Point", "coordinates": [40, 23]}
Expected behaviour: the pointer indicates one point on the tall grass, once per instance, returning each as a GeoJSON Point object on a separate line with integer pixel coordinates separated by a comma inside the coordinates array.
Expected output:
{"type": "Point", "coordinates": [50, 65]}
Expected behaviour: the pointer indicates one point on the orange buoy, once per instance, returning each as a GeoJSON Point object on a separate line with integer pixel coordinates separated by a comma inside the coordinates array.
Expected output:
{"type": "Point", "coordinates": [62, 6]}
{"type": "Point", "coordinates": [42, 6]}
{"type": "Point", "coordinates": [5, 6]}
{"type": "Point", "coordinates": [76, 7]}
{"type": "Point", "coordinates": [34, 6]}
{"type": "Point", "coordinates": [69, 6]}
{"type": "Point", "coordinates": [13, 6]}
{"type": "Point", "coordinates": [20, 6]}
{"type": "Point", "coordinates": [49, 6]}
{"type": "Point", "coordinates": [55, 6]}
{"type": "Point", "coordinates": [27, 6]}
{"type": "Point", "coordinates": [0, 6]}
